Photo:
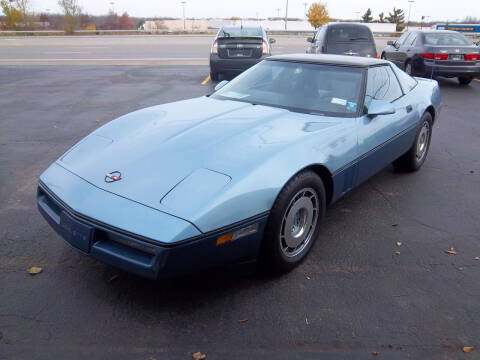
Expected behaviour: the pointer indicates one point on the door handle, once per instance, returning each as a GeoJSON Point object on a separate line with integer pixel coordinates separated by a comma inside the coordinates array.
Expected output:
{"type": "Point", "coordinates": [409, 108]}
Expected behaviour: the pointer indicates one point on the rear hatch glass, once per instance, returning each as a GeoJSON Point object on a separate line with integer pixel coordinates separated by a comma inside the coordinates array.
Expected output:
{"type": "Point", "coordinates": [238, 43]}
{"type": "Point", "coordinates": [350, 40]}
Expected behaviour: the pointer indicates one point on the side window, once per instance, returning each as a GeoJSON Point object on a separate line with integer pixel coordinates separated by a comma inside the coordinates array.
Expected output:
{"type": "Point", "coordinates": [402, 38]}
{"type": "Point", "coordinates": [321, 34]}
{"type": "Point", "coordinates": [406, 81]}
{"type": "Point", "coordinates": [412, 39]}
{"type": "Point", "coordinates": [382, 84]}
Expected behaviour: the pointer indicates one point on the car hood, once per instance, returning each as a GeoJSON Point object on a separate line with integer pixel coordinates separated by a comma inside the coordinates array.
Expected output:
{"type": "Point", "coordinates": [198, 141]}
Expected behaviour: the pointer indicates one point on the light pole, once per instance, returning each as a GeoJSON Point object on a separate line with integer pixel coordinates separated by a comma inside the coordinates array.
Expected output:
{"type": "Point", "coordinates": [183, 7]}
{"type": "Point", "coordinates": [113, 7]}
{"type": "Point", "coordinates": [286, 16]}
{"type": "Point", "coordinates": [409, 10]}
{"type": "Point", "coordinates": [305, 11]}
{"type": "Point", "coordinates": [423, 18]}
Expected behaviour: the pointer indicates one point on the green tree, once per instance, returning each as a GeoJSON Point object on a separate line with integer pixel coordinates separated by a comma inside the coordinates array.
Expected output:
{"type": "Point", "coordinates": [367, 17]}
{"type": "Point", "coordinates": [397, 17]}
{"type": "Point", "coordinates": [71, 14]}
{"type": "Point", "coordinates": [12, 15]}
{"type": "Point", "coordinates": [381, 17]}
{"type": "Point", "coordinates": [318, 15]}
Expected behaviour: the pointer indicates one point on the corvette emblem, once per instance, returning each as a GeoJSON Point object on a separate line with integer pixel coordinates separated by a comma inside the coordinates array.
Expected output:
{"type": "Point", "coordinates": [113, 176]}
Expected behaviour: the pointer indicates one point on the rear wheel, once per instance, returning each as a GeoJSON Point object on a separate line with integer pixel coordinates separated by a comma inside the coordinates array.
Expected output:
{"type": "Point", "coordinates": [415, 157]}
{"type": "Point", "coordinates": [213, 76]}
{"type": "Point", "coordinates": [293, 223]}
{"type": "Point", "coordinates": [465, 80]}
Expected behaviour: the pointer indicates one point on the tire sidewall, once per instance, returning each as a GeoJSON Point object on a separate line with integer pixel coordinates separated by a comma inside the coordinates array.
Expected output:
{"type": "Point", "coordinates": [272, 234]}
{"type": "Point", "coordinates": [425, 118]}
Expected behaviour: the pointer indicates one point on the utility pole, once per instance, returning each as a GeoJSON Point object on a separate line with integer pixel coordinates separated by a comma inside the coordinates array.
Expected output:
{"type": "Point", "coordinates": [305, 11]}
{"type": "Point", "coordinates": [286, 16]}
{"type": "Point", "coordinates": [183, 7]}
{"type": "Point", "coordinates": [409, 10]}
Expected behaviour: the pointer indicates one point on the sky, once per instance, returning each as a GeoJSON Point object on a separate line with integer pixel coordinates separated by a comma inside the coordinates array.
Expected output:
{"type": "Point", "coordinates": [439, 10]}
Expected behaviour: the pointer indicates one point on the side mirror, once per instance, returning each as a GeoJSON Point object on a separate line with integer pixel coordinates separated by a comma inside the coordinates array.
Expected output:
{"type": "Point", "coordinates": [391, 43]}
{"type": "Point", "coordinates": [310, 39]}
{"type": "Point", "coordinates": [272, 41]}
{"type": "Point", "coordinates": [221, 84]}
{"type": "Point", "coordinates": [380, 107]}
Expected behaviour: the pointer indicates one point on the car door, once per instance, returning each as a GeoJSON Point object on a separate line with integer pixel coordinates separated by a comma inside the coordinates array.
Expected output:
{"type": "Point", "coordinates": [405, 51]}
{"type": "Point", "coordinates": [395, 56]}
{"type": "Point", "coordinates": [383, 138]}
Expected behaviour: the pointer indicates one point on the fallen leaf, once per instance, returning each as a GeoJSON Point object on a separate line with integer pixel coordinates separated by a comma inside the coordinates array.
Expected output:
{"type": "Point", "coordinates": [308, 277]}
{"type": "Point", "coordinates": [477, 257]}
{"type": "Point", "coordinates": [399, 243]}
{"type": "Point", "coordinates": [198, 356]}
{"type": "Point", "coordinates": [97, 121]}
{"type": "Point", "coordinates": [467, 349]}
{"type": "Point", "coordinates": [374, 353]}
{"type": "Point", "coordinates": [114, 277]}
{"type": "Point", "coordinates": [471, 171]}
{"type": "Point", "coordinates": [34, 270]}
{"type": "Point", "coordinates": [306, 321]}
{"type": "Point", "coordinates": [54, 126]}
{"type": "Point", "coordinates": [397, 252]}
{"type": "Point", "coordinates": [394, 225]}
{"type": "Point", "coordinates": [241, 321]}
{"type": "Point", "coordinates": [353, 334]}
{"type": "Point", "coordinates": [451, 251]}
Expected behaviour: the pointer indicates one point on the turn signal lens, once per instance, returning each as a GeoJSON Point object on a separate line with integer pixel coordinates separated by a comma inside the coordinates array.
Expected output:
{"type": "Point", "coordinates": [246, 231]}
{"type": "Point", "coordinates": [472, 57]}
{"type": "Point", "coordinates": [224, 238]}
{"type": "Point", "coordinates": [265, 48]}
{"type": "Point", "coordinates": [214, 49]}
{"type": "Point", "coordinates": [432, 56]}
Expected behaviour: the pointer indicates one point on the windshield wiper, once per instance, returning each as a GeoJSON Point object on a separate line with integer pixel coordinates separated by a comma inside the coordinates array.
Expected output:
{"type": "Point", "coordinates": [359, 38]}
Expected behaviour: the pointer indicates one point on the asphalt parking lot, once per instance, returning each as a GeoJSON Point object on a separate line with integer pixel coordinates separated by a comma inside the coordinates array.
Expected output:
{"type": "Point", "coordinates": [353, 298]}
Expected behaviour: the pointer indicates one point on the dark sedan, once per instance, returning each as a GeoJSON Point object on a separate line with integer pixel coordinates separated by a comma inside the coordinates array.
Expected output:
{"type": "Point", "coordinates": [235, 49]}
{"type": "Point", "coordinates": [435, 53]}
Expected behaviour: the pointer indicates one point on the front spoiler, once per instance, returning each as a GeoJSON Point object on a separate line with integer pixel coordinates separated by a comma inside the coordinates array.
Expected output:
{"type": "Point", "coordinates": [140, 256]}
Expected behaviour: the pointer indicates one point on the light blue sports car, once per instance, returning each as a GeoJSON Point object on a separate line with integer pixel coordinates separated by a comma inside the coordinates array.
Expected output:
{"type": "Point", "coordinates": [242, 174]}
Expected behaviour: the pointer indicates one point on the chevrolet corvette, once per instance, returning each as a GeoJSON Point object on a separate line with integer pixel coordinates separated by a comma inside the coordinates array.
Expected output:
{"type": "Point", "coordinates": [241, 174]}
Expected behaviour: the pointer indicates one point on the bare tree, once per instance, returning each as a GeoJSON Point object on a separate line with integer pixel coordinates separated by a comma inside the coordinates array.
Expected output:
{"type": "Point", "coordinates": [71, 14]}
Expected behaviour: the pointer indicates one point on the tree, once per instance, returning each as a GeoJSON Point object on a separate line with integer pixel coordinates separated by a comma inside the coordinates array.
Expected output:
{"type": "Point", "coordinates": [318, 15]}
{"type": "Point", "coordinates": [367, 17]}
{"type": "Point", "coordinates": [125, 22]}
{"type": "Point", "coordinates": [397, 17]}
{"type": "Point", "coordinates": [71, 14]}
{"type": "Point", "coordinates": [381, 17]}
{"type": "Point", "coordinates": [12, 15]}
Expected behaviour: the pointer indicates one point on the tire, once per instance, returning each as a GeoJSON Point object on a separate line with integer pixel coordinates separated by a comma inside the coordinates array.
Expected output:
{"type": "Point", "coordinates": [213, 76]}
{"type": "Point", "coordinates": [465, 80]}
{"type": "Point", "coordinates": [409, 68]}
{"type": "Point", "coordinates": [414, 158]}
{"type": "Point", "coordinates": [293, 223]}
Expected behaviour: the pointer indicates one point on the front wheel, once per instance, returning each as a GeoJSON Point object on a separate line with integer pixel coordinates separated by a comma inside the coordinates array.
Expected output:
{"type": "Point", "coordinates": [294, 222]}
{"type": "Point", "coordinates": [465, 80]}
{"type": "Point", "coordinates": [213, 76]}
{"type": "Point", "coordinates": [415, 157]}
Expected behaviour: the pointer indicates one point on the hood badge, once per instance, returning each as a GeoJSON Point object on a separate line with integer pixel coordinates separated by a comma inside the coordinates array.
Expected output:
{"type": "Point", "coordinates": [113, 176]}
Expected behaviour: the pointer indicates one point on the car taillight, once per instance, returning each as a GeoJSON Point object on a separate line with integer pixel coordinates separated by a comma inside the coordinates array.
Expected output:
{"type": "Point", "coordinates": [265, 48]}
{"type": "Point", "coordinates": [214, 49]}
{"type": "Point", "coordinates": [377, 56]}
{"type": "Point", "coordinates": [472, 57]}
{"type": "Point", "coordinates": [432, 56]}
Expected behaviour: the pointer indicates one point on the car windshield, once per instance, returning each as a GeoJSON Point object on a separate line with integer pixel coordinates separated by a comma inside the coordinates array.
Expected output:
{"type": "Point", "coordinates": [446, 39]}
{"type": "Point", "coordinates": [302, 87]}
{"type": "Point", "coordinates": [240, 31]}
{"type": "Point", "coordinates": [348, 33]}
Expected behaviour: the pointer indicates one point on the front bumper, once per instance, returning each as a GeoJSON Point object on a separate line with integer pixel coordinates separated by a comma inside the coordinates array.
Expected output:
{"type": "Point", "coordinates": [142, 256]}
{"type": "Point", "coordinates": [221, 65]}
